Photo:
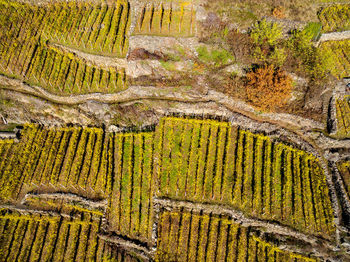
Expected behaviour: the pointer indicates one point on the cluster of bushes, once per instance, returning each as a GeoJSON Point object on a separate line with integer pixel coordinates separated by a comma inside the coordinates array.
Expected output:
{"type": "Point", "coordinates": [273, 53]}
{"type": "Point", "coordinates": [295, 52]}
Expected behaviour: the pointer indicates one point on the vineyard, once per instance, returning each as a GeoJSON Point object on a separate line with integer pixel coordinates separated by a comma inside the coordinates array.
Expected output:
{"type": "Point", "coordinates": [131, 207]}
{"type": "Point", "coordinates": [344, 168]}
{"type": "Point", "coordinates": [41, 237]}
{"type": "Point", "coordinates": [100, 29]}
{"type": "Point", "coordinates": [164, 19]}
{"type": "Point", "coordinates": [78, 182]}
{"type": "Point", "coordinates": [64, 73]}
{"type": "Point", "coordinates": [335, 18]}
{"type": "Point", "coordinates": [26, 54]}
{"type": "Point", "coordinates": [213, 162]}
{"type": "Point", "coordinates": [339, 53]}
{"type": "Point", "coordinates": [342, 108]}
{"type": "Point", "coordinates": [90, 163]}
{"type": "Point", "coordinates": [189, 236]}
{"type": "Point", "coordinates": [93, 175]}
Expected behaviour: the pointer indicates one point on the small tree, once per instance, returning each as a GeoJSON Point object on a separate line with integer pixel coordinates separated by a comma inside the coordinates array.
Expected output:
{"type": "Point", "coordinates": [268, 87]}
{"type": "Point", "coordinates": [266, 37]}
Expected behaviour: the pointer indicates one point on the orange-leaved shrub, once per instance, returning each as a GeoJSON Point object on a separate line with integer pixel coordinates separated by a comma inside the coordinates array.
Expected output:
{"type": "Point", "coordinates": [268, 87]}
{"type": "Point", "coordinates": [279, 12]}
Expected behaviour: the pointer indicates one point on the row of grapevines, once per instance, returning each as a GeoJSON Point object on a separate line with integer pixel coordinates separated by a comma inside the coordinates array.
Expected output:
{"type": "Point", "coordinates": [265, 251]}
{"type": "Point", "coordinates": [51, 157]}
{"type": "Point", "coordinates": [189, 236]}
{"type": "Point", "coordinates": [212, 162]}
{"type": "Point", "coordinates": [335, 17]}
{"type": "Point", "coordinates": [166, 20]}
{"type": "Point", "coordinates": [11, 169]}
{"type": "Point", "coordinates": [197, 160]}
{"type": "Point", "coordinates": [69, 158]}
{"type": "Point", "coordinates": [338, 55]}
{"type": "Point", "coordinates": [344, 170]}
{"type": "Point", "coordinates": [7, 149]}
{"type": "Point", "coordinates": [342, 108]}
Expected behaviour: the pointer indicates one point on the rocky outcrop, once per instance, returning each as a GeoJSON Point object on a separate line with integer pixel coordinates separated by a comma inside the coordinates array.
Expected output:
{"type": "Point", "coordinates": [334, 36]}
{"type": "Point", "coordinates": [7, 135]}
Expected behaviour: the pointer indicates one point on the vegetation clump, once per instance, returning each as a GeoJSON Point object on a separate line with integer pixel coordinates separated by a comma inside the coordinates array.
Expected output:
{"type": "Point", "coordinates": [217, 57]}
{"type": "Point", "coordinates": [266, 37]}
{"type": "Point", "coordinates": [268, 87]}
{"type": "Point", "coordinates": [266, 32]}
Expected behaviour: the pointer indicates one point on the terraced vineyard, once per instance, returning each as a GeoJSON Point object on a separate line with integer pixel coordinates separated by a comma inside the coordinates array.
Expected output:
{"type": "Point", "coordinates": [164, 19]}
{"type": "Point", "coordinates": [189, 236]}
{"type": "Point", "coordinates": [339, 54]}
{"type": "Point", "coordinates": [188, 188]}
{"type": "Point", "coordinates": [47, 159]}
{"type": "Point", "coordinates": [90, 163]}
{"type": "Point", "coordinates": [342, 108]}
{"type": "Point", "coordinates": [115, 178]}
{"type": "Point", "coordinates": [41, 237]}
{"type": "Point", "coordinates": [213, 162]}
{"type": "Point", "coordinates": [65, 73]}
{"type": "Point", "coordinates": [100, 29]}
{"type": "Point", "coordinates": [335, 18]}
{"type": "Point", "coordinates": [26, 54]}
{"type": "Point", "coordinates": [94, 28]}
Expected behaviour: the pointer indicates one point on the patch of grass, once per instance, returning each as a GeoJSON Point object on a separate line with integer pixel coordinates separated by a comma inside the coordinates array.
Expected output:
{"type": "Point", "coordinates": [181, 50]}
{"type": "Point", "coordinates": [9, 127]}
{"type": "Point", "coordinates": [168, 65]}
{"type": "Point", "coordinates": [218, 57]}
{"type": "Point", "coordinates": [174, 57]}
{"type": "Point", "coordinates": [314, 30]}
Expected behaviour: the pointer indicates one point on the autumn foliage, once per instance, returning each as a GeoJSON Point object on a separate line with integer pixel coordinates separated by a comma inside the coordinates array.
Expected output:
{"type": "Point", "coordinates": [279, 12]}
{"type": "Point", "coordinates": [268, 87]}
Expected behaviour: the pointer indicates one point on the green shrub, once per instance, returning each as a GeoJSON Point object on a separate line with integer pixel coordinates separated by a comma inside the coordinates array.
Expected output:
{"type": "Point", "coordinates": [309, 58]}
{"type": "Point", "coordinates": [266, 32]}
{"type": "Point", "coordinates": [278, 56]}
